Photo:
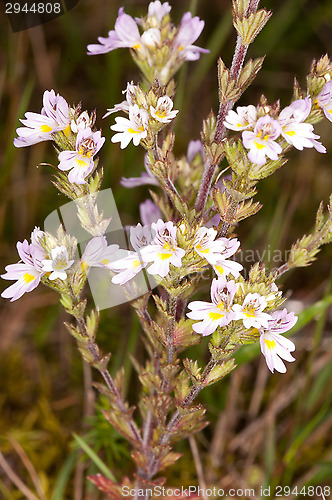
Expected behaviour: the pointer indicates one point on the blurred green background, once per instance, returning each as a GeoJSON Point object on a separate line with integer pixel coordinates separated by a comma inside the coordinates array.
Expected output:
{"type": "Point", "coordinates": [265, 430]}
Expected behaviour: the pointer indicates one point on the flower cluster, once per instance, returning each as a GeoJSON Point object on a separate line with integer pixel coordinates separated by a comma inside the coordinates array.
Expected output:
{"type": "Point", "coordinates": [221, 311]}
{"type": "Point", "coordinates": [29, 270]}
{"type": "Point", "coordinates": [161, 48]}
{"type": "Point", "coordinates": [45, 257]}
{"type": "Point", "coordinates": [147, 114]}
{"type": "Point", "coordinates": [79, 143]}
{"type": "Point", "coordinates": [156, 247]}
{"type": "Point", "coordinates": [260, 133]}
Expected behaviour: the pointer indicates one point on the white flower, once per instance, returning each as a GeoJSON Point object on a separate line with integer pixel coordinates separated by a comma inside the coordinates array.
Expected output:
{"type": "Point", "coordinates": [261, 141]}
{"type": "Point", "coordinates": [245, 117]}
{"type": "Point", "coordinates": [158, 11]}
{"type": "Point", "coordinates": [54, 117]}
{"type": "Point", "coordinates": [188, 31]}
{"type": "Point", "coordinates": [151, 38]}
{"type": "Point", "coordinates": [224, 267]}
{"type": "Point", "coordinates": [28, 271]}
{"type": "Point", "coordinates": [251, 311]}
{"type": "Point", "coordinates": [206, 246]}
{"type": "Point", "coordinates": [130, 92]}
{"type": "Point", "coordinates": [36, 234]}
{"type": "Point", "coordinates": [81, 162]}
{"type": "Point", "coordinates": [81, 122]}
{"type": "Point", "coordinates": [216, 313]}
{"type": "Point", "coordinates": [324, 100]}
{"type": "Point", "coordinates": [97, 253]}
{"type": "Point", "coordinates": [132, 263]}
{"type": "Point", "coordinates": [299, 134]}
{"type": "Point", "coordinates": [129, 266]}
{"type": "Point", "coordinates": [58, 264]}
{"type": "Point", "coordinates": [163, 251]}
{"type": "Point", "coordinates": [162, 112]}
{"type": "Point", "coordinates": [274, 346]}
{"type": "Point", "coordinates": [217, 251]}
{"type": "Point", "coordinates": [135, 128]}
{"type": "Point", "coordinates": [140, 236]}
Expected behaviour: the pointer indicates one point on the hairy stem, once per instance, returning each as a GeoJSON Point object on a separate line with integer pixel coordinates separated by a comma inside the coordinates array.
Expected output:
{"type": "Point", "coordinates": [170, 329]}
{"type": "Point", "coordinates": [224, 108]}
{"type": "Point", "coordinates": [93, 350]}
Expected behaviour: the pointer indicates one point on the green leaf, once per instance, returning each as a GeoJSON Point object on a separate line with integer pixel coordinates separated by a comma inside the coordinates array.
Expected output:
{"type": "Point", "coordinates": [63, 477]}
{"type": "Point", "coordinates": [94, 457]}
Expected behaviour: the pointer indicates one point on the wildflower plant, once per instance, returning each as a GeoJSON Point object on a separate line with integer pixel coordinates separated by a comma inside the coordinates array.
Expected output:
{"type": "Point", "coordinates": [188, 227]}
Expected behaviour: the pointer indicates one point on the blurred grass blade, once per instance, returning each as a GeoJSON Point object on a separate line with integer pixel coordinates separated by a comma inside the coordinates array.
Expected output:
{"type": "Point", "coordinates": [62, 480]}
{"type": "Point", "coordinates": [305, 432]}
{"type": "Point", "coordinates": [214, 45]}
{"type": "Point", "coordinates": [94, 457]}
{"type": "Point", "coordinates": [319, 387]}
{"type": "Point", "coordinates": [282, 19]}
{"type": "Point", "coordinates": [10, 150]}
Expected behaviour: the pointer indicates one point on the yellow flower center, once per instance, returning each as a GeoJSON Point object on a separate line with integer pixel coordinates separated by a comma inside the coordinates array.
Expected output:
{"type": "Point", "coordinates": [67, 131]}
{"type": "Point", "coordinates": [138, 131]}
{"type": "Point", "coordinates": [214, 316]}
{"type": "Point", "coordinates": [60, 263]}
{"type": "Point", "coordinates": [84, 152]}
{"type": "Point", "coordinates": [270, 344]}
{"type": "Point", "coordinates": [27, 278]}
{"type": "Point", "coordinates": [45, 129]}
{"type": "Point", "coordinates": [84, 266]}
{"type": "Point", "coordinates": [80, 163]}
{"type": "Point", "coordinates": [161, 113]}
{"type": "Point", "coordinates": [249, 311]}
{"type": "Point", "coordinates": [164, 256]}
{"type": "Point", "coordinates": [261, 135]}
{"type": "Point", "coordinates": [199, 248]}
{"type": "Point", "coordinates": [220, 269]}
{"type": "Point", "coordinates": [259, 146]}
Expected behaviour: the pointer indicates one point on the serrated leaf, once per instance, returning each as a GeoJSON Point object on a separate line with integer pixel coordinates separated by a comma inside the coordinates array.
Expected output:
{"type": "Point", "coordinates": [219, 372]}
{"type": "Point", "coordinates": [245, 210]}
{"type": "Point", "coordinates": [249, 73]}
{"type": "Point", "coordinates": [182, 387]}
{"type": "Point", "coordinates": [92, 322]}
{"type": "Point", "coordinates": [190, 421]}
{"type": "Point", "coordinates": [169, 459]}
{"type": "Point", "coordinates": [223, 80]}
{"type": "Point", "coordinates": [209, 128]}
{"type": "Point", "coordinates": [249, 27]}
{"type": "Point", "coordinates": [184, 336]}
{"type": "Point", "coordinates": [214, 152]}
{"type": "Point", "coordinates": [193, 370]}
